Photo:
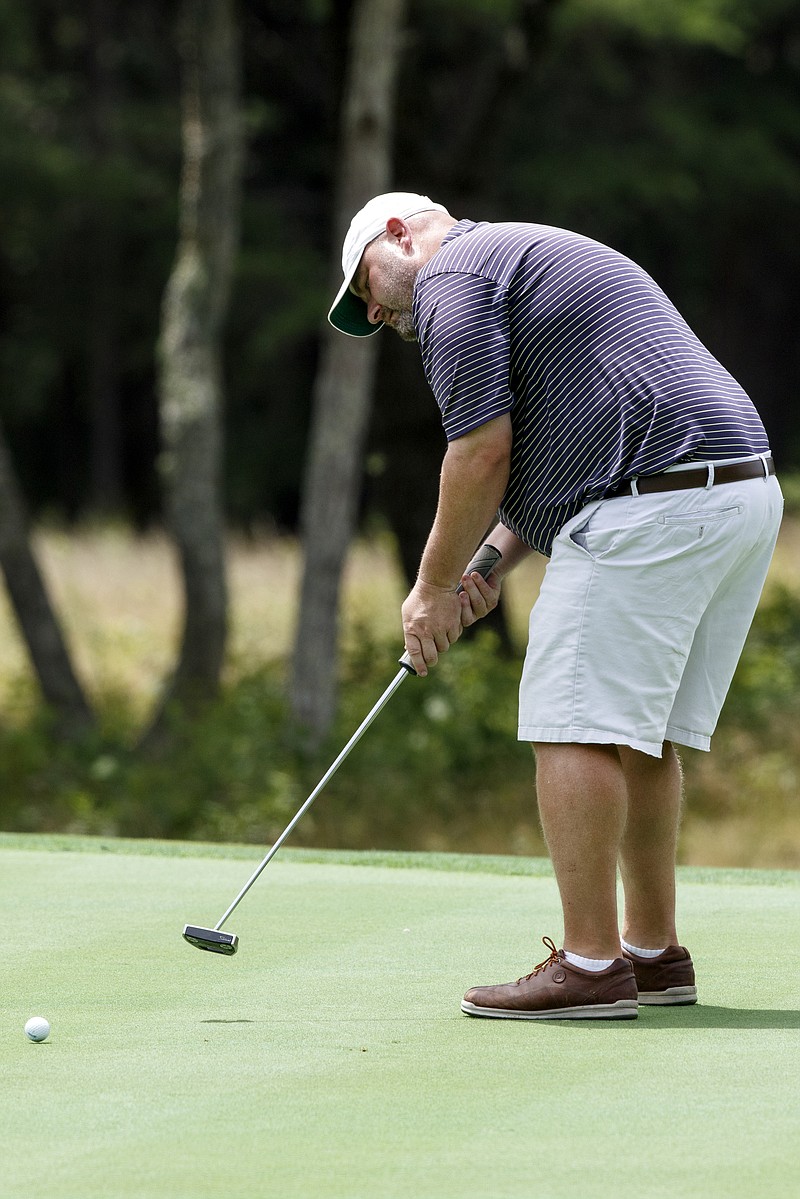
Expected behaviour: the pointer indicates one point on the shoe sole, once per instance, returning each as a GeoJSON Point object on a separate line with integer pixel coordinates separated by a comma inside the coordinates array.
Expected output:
{"type": "Point", "coordinates": [671, 997]}
{"type": "Point", "coordinates": [623, 1009]}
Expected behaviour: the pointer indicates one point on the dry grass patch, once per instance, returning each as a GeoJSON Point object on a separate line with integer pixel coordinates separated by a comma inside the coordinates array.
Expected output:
{"type": "Point", "coordinates": [119, 599]}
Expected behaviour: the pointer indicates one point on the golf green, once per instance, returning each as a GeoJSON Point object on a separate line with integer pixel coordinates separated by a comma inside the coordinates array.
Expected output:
{"type": "Point", "coordinates": [329, 1057]}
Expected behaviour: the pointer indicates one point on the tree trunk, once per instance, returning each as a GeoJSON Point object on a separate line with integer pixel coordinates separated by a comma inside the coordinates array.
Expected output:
{"type": "Point", "coordinates": [33, 610]}
{"type": "Point", "coordinates": [195, 303]}
{"type": "Point", "coordinates": [343, 387]}
{"type": "Point", "coordinates": [102, 252]}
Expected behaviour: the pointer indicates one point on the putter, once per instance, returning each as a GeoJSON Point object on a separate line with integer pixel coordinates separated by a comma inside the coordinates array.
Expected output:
{"type": "Point", "coordinates": [216, 941]}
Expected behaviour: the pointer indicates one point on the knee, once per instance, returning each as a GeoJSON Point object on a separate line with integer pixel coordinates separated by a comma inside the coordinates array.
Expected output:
{"type": "Point", "coordinates": [571, 756]}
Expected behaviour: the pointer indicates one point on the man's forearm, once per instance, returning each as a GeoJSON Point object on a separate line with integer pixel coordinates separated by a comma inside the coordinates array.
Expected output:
{"type": "Point", "coordinates": [473, 481]}
{"type": "Point", "coordinates": [510, 546]}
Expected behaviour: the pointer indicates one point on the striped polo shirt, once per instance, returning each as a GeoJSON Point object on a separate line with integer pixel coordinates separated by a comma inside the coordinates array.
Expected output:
{"type": "Point", "coordinates": [602, 377]}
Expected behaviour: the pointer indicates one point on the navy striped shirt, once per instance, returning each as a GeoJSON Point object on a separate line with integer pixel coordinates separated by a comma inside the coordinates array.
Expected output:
{"type": "Point", "coordinates": [602, 377]}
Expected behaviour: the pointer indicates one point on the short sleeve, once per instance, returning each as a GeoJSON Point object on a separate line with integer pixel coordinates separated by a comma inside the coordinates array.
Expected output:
{"type": "Point", "coordinates": [462, 327]}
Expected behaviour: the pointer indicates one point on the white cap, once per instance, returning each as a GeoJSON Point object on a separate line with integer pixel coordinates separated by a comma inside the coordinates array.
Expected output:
{"type": "Point", "coordinates": [348, 313]}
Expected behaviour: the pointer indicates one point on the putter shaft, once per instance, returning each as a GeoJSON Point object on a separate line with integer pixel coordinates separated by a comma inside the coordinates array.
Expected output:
{"type": "Point", "coordinates": [356, 737]}
{"type": "Point", "coordinates": [226, 943]}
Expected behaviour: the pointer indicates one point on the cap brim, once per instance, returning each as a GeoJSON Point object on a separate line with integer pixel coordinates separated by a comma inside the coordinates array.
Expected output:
{"type": "Point", "coordinates": [349, 314]}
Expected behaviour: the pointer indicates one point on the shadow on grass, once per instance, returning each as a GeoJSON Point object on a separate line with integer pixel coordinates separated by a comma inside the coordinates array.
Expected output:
{"type": "Point", "coordinates": [703, 1015]}
{"type": "Point", "coordinates": [240, 1021]}
{"type": "Point", "coordinates": [690, 1017]}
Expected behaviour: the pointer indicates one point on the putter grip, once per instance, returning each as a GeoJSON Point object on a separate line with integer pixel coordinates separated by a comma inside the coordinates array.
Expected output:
{"type": "Point", "coordinates": [484, 562]}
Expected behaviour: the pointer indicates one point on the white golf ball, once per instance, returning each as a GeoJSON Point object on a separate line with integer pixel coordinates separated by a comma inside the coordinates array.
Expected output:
{"type": "Point", "coordinates": [37, 1029]}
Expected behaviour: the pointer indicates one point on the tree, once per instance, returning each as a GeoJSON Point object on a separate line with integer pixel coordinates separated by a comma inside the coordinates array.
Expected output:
{"type": "Point", "coordinates": [195, 303]}
{"type": "Point", "coordinates": [31, 602]}
{"type": "Point", "coordinates": [343, 387]}
{"type": "Point", "coordinates": [103, 255]}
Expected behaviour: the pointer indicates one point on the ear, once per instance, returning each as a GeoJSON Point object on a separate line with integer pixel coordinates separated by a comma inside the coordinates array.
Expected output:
{"type": "Point", "coordinates": [399, 234]}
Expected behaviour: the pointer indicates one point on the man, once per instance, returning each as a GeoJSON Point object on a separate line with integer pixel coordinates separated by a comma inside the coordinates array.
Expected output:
{"type": "Point", "coordinates": [581, 409]}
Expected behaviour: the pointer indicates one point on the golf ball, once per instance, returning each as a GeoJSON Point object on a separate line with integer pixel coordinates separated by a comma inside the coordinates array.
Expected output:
{"type": "Point", "coordinates": [37, 1029]}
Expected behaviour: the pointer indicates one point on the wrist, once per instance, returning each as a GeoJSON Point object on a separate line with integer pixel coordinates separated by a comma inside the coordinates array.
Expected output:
{"type": "Point", "coordinates": [439, 588]}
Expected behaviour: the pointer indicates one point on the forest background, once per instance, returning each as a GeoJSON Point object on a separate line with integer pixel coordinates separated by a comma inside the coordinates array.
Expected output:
{"type": "Point", "coordinates": [669, 129]}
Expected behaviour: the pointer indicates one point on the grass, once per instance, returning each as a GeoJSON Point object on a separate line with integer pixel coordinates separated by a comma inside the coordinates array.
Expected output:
{"type": "Point", "coordinates": [329, 1057]}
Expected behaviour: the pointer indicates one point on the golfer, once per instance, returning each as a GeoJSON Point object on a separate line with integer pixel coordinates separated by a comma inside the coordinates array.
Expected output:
{"type": "Point", "coordinates": [584, 421]}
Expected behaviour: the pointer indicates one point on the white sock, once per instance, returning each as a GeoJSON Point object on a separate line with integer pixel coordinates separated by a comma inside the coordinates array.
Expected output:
{"type": "Point", "coordinates": [588, 963]}
{"type": "Point", "coordinates": [642, 953]}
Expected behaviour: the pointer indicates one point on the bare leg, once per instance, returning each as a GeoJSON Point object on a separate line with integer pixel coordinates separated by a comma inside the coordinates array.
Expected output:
{"type": "Point", "coordinates": [583, 805]}
{"type": "Point", "coordinates": [649, 844]}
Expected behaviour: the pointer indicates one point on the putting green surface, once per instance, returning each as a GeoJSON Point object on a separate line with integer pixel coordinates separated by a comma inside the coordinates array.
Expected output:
{"type": "Point", "coordinates": [329, 1057]}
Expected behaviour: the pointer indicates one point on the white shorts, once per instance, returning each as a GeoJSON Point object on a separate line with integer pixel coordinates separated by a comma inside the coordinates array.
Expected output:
{"type": "Point", "coordinates": [642, 615]}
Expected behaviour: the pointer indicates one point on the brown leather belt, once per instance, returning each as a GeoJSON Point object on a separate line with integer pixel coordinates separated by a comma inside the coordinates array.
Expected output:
{"type": "Point", "coordinates": [681, 480]}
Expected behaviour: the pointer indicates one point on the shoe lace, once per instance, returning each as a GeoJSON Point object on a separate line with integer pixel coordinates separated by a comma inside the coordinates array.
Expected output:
{"type": "Point", "coordinates": [551, 961]}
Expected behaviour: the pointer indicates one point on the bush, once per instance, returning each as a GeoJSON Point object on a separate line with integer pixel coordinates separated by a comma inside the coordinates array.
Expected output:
{"type": "Point", "coordinates": [442, 750]}
{"type": "Point", "coordinates": [744, 797]}
{"type": "Point", "coordinates": [219, 771]}
{"type": "Point", "coordinates": [439, 768]}
{"type": "Point", "coordinates": [766, 687]}
{"type": "Point", "coordinates": [441, 758]}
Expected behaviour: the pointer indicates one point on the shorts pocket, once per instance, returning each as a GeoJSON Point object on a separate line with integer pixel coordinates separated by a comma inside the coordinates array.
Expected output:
{"type": "Point", "coordinates": [698, 517]}
{"type": "Point", "coordinates": [594, 541]}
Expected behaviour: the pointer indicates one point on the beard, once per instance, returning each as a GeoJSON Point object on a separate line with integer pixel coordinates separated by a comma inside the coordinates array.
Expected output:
{"type": "Point", "coordinates": [403, 325]}
{"type": "Point", "coordinates": [399, 296]}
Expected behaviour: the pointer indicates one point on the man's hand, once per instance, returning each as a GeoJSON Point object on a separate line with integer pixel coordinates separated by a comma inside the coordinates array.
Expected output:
{"type": "Point", "coordinates": [432, 622]}
{"type": "Point", "coordinates": [479, 597]}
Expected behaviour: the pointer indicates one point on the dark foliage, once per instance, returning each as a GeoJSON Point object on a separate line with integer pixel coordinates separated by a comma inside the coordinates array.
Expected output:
{"type": "Point", "coordinates": [670, 131]}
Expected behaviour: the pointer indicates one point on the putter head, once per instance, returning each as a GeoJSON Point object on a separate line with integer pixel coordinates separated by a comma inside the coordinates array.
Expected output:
{"type": "Point", "coordinates": [211, 939]}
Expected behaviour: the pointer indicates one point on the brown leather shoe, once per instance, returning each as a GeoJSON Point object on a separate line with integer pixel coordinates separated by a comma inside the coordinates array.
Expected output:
{"type": "Point", "coordinates": [667, 979]}
{"type": "Point", "coordinates": [557, 990]}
